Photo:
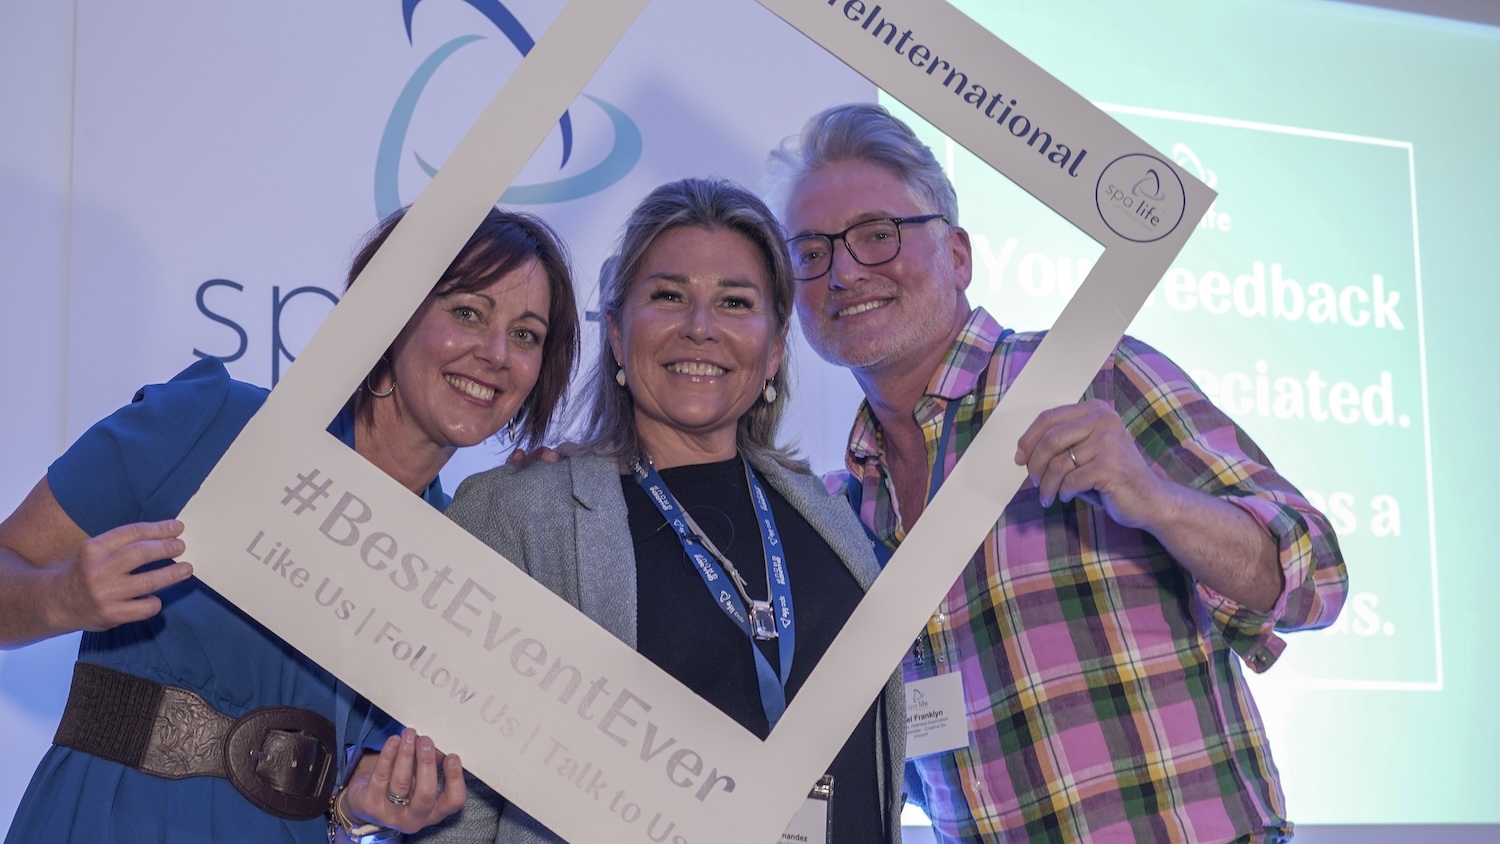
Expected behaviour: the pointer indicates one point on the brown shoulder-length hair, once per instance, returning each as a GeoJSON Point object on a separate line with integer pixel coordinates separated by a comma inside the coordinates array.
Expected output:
{"type": "Point", "coordinates": [504, 241]}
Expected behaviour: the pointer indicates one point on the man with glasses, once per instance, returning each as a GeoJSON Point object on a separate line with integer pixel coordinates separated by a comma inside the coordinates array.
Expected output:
{"type": "Point", "coordinates": [1098, 631]}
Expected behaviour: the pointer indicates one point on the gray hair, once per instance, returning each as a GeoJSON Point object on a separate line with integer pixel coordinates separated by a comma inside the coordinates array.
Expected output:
{"type": "Point", "coordinates": [714, 205]}
{"type": "Point", "coordinates": [861, 132]}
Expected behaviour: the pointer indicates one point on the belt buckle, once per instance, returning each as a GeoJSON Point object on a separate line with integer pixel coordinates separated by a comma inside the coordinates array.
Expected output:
{"type": "Point", "coordinates": [281, 759]}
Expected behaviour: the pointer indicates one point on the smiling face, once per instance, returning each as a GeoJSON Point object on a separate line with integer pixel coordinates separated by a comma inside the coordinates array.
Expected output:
{"type": "Point", "coordinates": [698, 340]}
{"type": "Point", "coordinates": [898, 317]}
{"type": "Point", "coordinates": [465, 362]}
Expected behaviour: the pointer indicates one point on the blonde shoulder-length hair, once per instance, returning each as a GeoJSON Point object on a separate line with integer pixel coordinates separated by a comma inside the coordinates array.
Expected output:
{"type": "Point", "coordinates": [716, 205]}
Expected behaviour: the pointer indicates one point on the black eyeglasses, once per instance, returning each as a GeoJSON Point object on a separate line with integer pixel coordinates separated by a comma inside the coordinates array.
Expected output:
{"type": "Point", "coordinates": [871, 243]}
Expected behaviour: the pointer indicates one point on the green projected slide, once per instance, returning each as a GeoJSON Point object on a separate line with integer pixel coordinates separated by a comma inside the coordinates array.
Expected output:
{"type": "Point", "coordinates": [1337, 300]}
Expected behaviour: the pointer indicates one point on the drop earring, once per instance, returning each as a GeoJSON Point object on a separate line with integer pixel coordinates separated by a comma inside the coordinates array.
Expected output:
{"type": "Point", "coordinates": [769, 393]}
{"type": "Point", "coordinates": [620, 376]}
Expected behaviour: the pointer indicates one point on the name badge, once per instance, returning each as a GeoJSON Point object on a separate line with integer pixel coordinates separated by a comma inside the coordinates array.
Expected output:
{"type": "Point", "coordinates": [936, 717]}
{"type": "Point", "coordinates": [813, 823]}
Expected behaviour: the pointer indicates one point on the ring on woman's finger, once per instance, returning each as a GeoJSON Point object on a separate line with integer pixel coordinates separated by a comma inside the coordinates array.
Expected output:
{"type": "Point", "coordinates": [397, 799]}
{"type": "Point", "coordinates": [1073, 457]}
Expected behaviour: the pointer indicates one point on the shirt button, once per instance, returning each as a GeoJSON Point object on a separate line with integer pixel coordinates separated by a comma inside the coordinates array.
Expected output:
{"type": "Point", "coordinates": [969, 399]}
{"type": "Point", "coordinates": [942, 658]}
{"type": "Point", "coordinates": [941, 617]}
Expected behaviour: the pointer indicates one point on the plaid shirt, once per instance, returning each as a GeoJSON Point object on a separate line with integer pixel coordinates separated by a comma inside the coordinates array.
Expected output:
{"type": "Point", "coordinates": [1105, 697]}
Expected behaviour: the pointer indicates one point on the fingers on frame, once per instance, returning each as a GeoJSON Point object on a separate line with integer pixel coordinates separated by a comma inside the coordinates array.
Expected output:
{"type": "Point", "coordinates": [385, 765]}
{"type": "Point", "coordinates": [404, 763]}
{"type": "Point", "coordinates": [1074, 481]}
{"type": "Point", "coordinates": [126, 612]}
{"type": "Point", "coordinates": [139, 532]}
{"type": "Point", "coordinates": [129, 551]}
{"type": "Point", "coordinates": [455, 790]}
{"type": "Point", "coordinates": [153, 581]}
{"type": "Point", "coordinates": [424, 790]}
{"type": "Point", "coordinates": [1050, 478]}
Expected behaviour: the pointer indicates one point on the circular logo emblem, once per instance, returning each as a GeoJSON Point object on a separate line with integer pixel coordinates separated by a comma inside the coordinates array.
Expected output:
{"type": "Point", "coordinates": [573, 183]}
{"type": "Point", "coordinates": [1140, 197]}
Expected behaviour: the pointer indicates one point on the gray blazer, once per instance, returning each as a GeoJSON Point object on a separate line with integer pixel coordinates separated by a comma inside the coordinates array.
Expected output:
{"type": "Point", "coordinates": [566, 525]}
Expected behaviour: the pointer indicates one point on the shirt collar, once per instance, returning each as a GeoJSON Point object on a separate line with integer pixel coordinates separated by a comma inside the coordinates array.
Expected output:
{"type": "Point", "coordinates": [956, 377]}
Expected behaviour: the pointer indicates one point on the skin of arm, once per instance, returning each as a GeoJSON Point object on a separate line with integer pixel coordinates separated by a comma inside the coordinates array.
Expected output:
{"type": "Point", "coordinates": [1083, 450]}
{"type": "Point", "coordinates": [56, 579]}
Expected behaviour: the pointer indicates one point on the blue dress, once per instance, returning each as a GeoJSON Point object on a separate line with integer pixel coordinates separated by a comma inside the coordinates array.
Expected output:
{"type": "Point", "coordinates": [143, 463]}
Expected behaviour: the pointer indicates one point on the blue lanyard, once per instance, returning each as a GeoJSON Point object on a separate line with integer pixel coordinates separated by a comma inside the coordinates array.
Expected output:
{"type": "Point", "coordinates": [771, 619]}
{"type": "Point", "coordinates": [950, 419]}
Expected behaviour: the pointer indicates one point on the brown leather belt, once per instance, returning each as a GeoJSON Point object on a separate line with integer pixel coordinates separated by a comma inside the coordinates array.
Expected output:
{"type": "Point", "coordinates": [280, 757]}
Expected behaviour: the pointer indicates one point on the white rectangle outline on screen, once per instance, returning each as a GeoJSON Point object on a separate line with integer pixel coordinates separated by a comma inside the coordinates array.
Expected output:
{"type": "Point", "coordinates": [1435, 685]}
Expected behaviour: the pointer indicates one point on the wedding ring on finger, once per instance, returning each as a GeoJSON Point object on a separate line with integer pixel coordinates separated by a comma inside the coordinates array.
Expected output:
{"type": "Point", "coordinates": [1073, 457]}
{"type": "Point", "coordinates": [397, 799]}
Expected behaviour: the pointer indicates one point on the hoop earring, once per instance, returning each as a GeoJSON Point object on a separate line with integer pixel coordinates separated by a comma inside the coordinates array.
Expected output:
{"type": "Point", "coordinates": [769, 393]}
{"type": "Point", "coordinates": [620, 376]}
{"type": "Point", "coordinates": [380, 395]}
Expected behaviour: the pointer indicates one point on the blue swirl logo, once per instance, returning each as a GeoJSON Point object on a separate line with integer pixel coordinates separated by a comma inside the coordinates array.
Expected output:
{"type": "Point", "coordinates": [621, 158]}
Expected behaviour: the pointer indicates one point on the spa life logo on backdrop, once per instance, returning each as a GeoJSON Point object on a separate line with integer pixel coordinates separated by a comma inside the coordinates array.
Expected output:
{"type": "Point", "coordinates": [1140, 197]}
{"type": "Point", "coordinates": [621, 158]}
{"type": "Point", "coordinates": [1215, 218]}
{"type": "Point", "coordinates": [295, 312]}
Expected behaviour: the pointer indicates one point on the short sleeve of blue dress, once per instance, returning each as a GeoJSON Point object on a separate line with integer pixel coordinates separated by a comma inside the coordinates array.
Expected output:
{"type": "Point", "coordinates": [143, 463]}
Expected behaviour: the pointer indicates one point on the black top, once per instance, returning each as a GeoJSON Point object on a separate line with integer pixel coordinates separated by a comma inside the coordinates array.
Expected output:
{"type": "Point", "coordinates": [681, 628]}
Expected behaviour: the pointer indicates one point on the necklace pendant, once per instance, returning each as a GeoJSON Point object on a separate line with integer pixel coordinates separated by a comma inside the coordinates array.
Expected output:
{"type": "Point", "coordinates": [762, 620]}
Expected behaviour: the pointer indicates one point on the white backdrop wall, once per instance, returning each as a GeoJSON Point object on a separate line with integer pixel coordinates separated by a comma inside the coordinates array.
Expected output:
{"type": "Point", "coordinates": [36, 107]}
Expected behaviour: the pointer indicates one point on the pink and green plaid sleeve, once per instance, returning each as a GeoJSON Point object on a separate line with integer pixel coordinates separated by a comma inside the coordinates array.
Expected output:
{"type": "Point", "coordinates": [1194, 442]}
{"type": "Point", "coordinates": [1104, 691]}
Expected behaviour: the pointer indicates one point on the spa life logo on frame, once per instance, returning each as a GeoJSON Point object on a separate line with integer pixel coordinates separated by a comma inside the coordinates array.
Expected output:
{"type": "Point", "coordinates": [1140, 197]}
{"type": "Point", "coordinates": [572, 183]}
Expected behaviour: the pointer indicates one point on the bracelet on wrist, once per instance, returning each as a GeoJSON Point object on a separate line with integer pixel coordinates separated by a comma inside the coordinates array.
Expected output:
{"type": "Point", "coordinates": [368, 833]}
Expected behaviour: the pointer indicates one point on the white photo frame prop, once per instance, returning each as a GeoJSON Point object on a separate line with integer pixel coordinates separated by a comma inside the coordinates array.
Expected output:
{"type": "Point", "coordinates": [561, 718]}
